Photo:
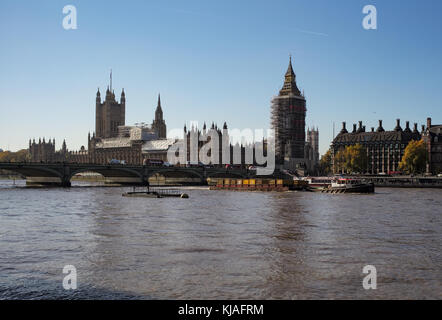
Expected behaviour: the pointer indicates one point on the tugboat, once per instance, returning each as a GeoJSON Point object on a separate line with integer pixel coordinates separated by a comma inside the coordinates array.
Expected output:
{"type": "Point", "coordinates": [346, 185]}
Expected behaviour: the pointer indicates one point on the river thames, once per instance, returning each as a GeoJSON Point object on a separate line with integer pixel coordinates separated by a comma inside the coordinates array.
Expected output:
{"type": "Point", "coordinates": [219, 244]}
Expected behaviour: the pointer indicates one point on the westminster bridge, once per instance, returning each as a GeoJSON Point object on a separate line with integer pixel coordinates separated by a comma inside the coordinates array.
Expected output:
{"type": "Point", "coordinates": [60, 174]}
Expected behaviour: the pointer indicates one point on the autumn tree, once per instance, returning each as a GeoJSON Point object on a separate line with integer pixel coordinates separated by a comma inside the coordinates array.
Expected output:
{"type": "Point", "coordinates": [325, 164]}
{"type": "Point", "coordinates": [352, 159]}
{"type": "Point", "coordinates": [415, 157]}
{"type": "Point", "coordinates": [19, 156]}
{"type": "Point", "coordinates": [357, 158]}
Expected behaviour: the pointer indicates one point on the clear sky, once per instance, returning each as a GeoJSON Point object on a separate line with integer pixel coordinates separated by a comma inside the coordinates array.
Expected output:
{"type": "Point", "coordinates": [215, 61]}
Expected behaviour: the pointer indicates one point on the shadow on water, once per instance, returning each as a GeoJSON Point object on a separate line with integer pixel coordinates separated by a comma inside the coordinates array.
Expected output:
{"type": "Point", "coordinates": [41, 289]}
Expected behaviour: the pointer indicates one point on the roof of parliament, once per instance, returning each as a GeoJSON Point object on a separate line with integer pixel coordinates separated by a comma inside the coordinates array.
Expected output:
{"type": "Point", "coordinates": [360, 135]}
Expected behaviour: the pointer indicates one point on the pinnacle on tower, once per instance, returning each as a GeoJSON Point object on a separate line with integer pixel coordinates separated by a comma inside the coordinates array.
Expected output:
{"type": "Point", "coordinates": [290, 86]}
{"type": "Point", "coordinates": [122, 97]}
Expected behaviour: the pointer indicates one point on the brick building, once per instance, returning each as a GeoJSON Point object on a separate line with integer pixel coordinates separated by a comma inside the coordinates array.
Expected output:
{"type": "Point", "coordinates": [384, 148]}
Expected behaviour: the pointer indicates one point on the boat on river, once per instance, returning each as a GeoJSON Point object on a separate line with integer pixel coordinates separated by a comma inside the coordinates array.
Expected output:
{"type": "Point", "coordinates": [348, 185]}
{"type": "Point", "coordinates": [318, 183]}
{"type": "Point", "coordinates": [157, 193]}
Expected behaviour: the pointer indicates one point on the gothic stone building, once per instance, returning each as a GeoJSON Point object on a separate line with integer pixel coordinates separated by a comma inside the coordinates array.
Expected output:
{"type": "Point", "coordinates": [384, 148]}
{"type": "Point", "coordinates": [45, 151]}
{"type": "Point", "coordinates": [312, 145]}
{"type": "Point", "coordinates": [288, 121]}
{"type": "Point", "coordinates": [112, 139]}
{"type": "Point", "coordinates": [288, 114]}
{"type": "Point", "coordinates": [433, 138]}
{"type": "Point", "coordinates": [238, 154]}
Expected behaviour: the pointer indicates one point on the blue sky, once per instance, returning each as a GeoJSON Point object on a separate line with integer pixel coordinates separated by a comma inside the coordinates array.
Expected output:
{"type": "Point", "coordinates": [215, 61]}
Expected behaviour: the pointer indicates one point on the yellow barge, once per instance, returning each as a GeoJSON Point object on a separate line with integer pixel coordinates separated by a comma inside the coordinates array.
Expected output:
{"type": "Point", "coordinates": [279, 185]}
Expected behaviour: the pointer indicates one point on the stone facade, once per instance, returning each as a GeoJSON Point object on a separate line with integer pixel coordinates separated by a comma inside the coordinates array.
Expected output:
{"type": "Point", "coordinates": [384, 148]}
{"type": "Point", "coordinates": [159, 125]}
{"type": "Point", "coordinates": [433, 138]}
{"type": "Point", "coordinates": [109, 114]}
{"type": "Point", "coordinates": [112, 139]}
{"type": "Point", "coordinates": [288, 113]}
{"type": "Point", "coordinates": [237, 154]}
{"type": "Point", "coordinates": [312, 145]}
{"type": "Point", "coordinates": [288, 120]}
{"type": "Point", "coordinates": [45, 151]}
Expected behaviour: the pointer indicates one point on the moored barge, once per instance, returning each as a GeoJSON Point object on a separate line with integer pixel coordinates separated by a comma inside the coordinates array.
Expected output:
{"type": "Point", "coordinates": [263, 185]}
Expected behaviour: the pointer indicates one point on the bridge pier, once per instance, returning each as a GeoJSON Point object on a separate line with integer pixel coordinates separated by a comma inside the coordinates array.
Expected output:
{"type": "Point", "coordinates": [47, 182]}
{"type": "Point", "coordinates": [66, 182]}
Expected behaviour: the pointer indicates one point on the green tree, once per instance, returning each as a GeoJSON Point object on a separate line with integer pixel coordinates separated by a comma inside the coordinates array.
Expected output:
{"type": "Point", "coordinates": [352, 159]}
{"type": "Point", "coordinates": [19, 156]}
{"type": "Point", "coordinates": [325, 164]}
{"type": "Point", "coordinates": [340, 159]}
{"type": "Point", "coordinates": [357, 159]}
{"type": "Point", "coordinates": [415, 157]}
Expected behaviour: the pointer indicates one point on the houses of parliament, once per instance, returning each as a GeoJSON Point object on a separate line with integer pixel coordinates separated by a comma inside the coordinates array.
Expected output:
{"type": "Point", "coordinates": [112, 138]}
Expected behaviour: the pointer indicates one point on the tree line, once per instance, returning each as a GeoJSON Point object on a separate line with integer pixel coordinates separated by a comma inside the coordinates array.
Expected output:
{"type": "Point", "coordinates": [19, 156]}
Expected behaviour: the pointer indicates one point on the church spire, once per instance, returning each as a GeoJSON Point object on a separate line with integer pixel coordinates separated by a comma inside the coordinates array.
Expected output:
{"type": "Point", "coordinates": [159, 102]}
{"type": "Point", "coordinates": [159, 111]}
{"type": "Point", "coordinates": [290, 86]}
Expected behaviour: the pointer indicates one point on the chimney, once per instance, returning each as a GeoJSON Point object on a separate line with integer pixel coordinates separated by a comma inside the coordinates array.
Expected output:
{"type": "Point", "coordinates": [428, 123]}
{"type": "Point", "coordinates": [363, 129]}
{"type": "Point", "coordinates": [354, 128]}
{"type": "Point", "coordinates": [407, 126]}
{"type": "Point", "coordinates": [423, 128]}
{"type": "Point", "coordinates": [398, 125]}
{"type": "Point", "coordinates": [344, 129]}
{"type": "Point", "coordinates": [380, 128]}
{"type": "Point", "coordinates": [415, 128]}
{"type": "Point", "coordinates": [372, 129]}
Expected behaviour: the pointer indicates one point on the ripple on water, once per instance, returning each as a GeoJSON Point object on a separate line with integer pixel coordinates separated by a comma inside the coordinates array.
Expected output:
{"type": "Point", "coordinates": [219, 244]}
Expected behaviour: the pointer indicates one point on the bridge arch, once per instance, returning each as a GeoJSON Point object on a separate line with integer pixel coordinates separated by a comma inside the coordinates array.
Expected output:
{"type": "Point", "coordinates": [28, 171]}
{"type": "Point", "coordinates": [180, 175]}
{"type": "Point", "coordinates": [118, 175]}
{"type": "Point", "coordinates": [108, 171]}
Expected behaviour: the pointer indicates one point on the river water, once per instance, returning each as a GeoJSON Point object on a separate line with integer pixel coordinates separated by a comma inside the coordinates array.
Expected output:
{"type": "Point", "coordinates": [219, 244]}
